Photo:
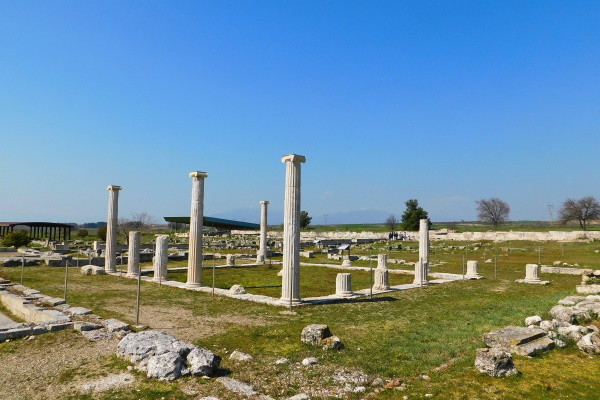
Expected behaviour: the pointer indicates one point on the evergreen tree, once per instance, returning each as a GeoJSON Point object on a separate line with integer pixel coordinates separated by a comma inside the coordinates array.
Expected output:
{"type": "Point", "coordinates": [412, 216]}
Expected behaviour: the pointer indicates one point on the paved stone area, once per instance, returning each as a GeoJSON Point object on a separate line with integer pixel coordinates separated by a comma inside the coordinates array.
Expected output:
{"type": "Point", "coordinates": [6, 323]}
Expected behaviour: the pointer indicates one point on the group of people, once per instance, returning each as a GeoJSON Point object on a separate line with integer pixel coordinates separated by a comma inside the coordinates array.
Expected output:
{"type": "Point", "coordinates": [398, 236]}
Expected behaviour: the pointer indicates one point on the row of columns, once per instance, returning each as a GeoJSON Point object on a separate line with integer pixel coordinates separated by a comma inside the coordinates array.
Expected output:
{"type": "Point", "coordinates": [290, 292]}
{"type": "Point", "coordinates": [40, 232]}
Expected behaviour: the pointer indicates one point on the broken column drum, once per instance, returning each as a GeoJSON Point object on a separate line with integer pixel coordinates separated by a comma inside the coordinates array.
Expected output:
{"type": "Point", "coordinates": [110, 260]}
{"type": "Point", "coordinates": [290, 285]}
{"type": "Point", "coordinates": [230, 259]}
{"type": "Point", "coordinates": [343, 285]}
{"type": "Point", "coordinates": [133, 255]}
{"type": "Point", "coordinates": [262, 249]}
{"type": "Point", "coordinates": [161, 258]}
{"type": "Point", "coordinates": [381, 281]}
{"type": "Point", "coordinates": [194, 272]}
{"type": "Point", "coordinates": [532, 273]}
{"type": "Point", "coordinates": [472, 269]}
{"type": "Point", "coordinates": [422, 266]}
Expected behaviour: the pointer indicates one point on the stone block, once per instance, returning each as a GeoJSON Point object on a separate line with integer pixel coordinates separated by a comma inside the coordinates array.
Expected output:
{"type": "Point", "coordinates": [519, 340]}
{"type": "Point", "coordinates": [495, 362]}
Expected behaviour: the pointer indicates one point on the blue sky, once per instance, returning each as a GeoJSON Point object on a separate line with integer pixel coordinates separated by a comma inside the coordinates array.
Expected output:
{"type": "Point", "coordinates": [446, 102]}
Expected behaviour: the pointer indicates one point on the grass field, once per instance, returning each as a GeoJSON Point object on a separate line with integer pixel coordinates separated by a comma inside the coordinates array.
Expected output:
{"type": "Point", "coordinates": [431, 331]}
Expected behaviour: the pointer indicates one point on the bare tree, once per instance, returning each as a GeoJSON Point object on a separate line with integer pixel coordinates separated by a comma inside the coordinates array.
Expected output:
{"type": "Point", "coordinates": [582, 210]}
{"type": "Point", "coordinates": [141, 221]}
{"type": "Point", "coordinates": [392, 222]}
{"type": "Point", "coordinates": [493, 211]}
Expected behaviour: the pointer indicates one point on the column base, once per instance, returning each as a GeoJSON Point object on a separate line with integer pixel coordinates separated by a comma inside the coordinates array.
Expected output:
{"type": "Point", "coordinates": [192, 285]}
{"type": "Point", "coordinates": [421, 283]}
{"type": "Point", "coordinates": [159, 279]}
{"type": "Point", "coordinates": [133, 276]}
{"type": "Point", "coordinates": [381, 288]}
{"type": "Point", "coordinates": [295, 302]}
{"type": "Point", "coordinates": [260, 259]}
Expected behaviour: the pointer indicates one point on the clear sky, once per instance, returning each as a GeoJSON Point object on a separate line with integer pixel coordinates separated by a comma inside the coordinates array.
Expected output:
{"type": "Point", "coordinates": [447, 102]}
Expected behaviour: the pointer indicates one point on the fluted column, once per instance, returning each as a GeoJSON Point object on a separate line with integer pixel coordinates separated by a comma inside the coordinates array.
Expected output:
{"type": "Point", "coordinates": [343, 285]}
{"type": "Point", "coordinates": [194, 272]}
{"type": "Point", "coordinates": [161, 257]}
{"type": "Point", "coordinates": [381, 274]}
{"type": "Point", "coordinates": [110, 258]}
{"type": "Point", "coordinates": [133, 255]}
{"type": "Point", "coordinates": [290, 285]}
{"type": "Point", "coordinates": [422, 266]}
{"type": "Point", "coordinates": [262, 249]}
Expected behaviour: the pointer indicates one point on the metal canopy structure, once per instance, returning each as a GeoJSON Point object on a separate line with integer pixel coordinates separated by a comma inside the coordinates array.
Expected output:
{"type": "Point", "coordinates": [217, 223]}
{"type": "Point", "coordinates": [40, 230]}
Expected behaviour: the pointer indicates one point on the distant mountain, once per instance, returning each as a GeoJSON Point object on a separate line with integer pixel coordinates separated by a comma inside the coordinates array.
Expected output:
{"type": "Point", "coordinates": [252, 214]}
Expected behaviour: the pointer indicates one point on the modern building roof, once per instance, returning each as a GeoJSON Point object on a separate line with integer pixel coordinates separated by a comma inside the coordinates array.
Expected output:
{"type": "Point", "coordinates": [217, 223]}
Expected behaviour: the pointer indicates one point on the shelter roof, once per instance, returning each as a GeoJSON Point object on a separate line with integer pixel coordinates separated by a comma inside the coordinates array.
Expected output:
{"type": "Point", "coordinates": [217, 223]}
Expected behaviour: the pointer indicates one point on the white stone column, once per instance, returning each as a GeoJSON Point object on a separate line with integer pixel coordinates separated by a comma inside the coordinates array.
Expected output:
{"type": "Point", "coordinates": [194, 272]}
{"type": "Point", "coordinates": [343, 285]}
{"type": "Point", "coordinates": [161, 258]}
{"type": "Point", "coordinates": [472, 270]}
{"type": "Point", "coordinates": [422, 265]}
{"type": "Point", "coordinates": [262, 250]}
{"type": "Point", "coordinates": [133, 255]}
{"type": "Point", "coordinates": [532, 273]}
{"type": "Point", "coordinates": [381, 281]}
{"type": "Point", "coordinates": [290, 285]}
{"type": "Point", "coordinates": [110, 257]}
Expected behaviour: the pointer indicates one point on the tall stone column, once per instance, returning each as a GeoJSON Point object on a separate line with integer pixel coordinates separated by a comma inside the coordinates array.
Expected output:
{"type": "Point", "coordinates": [133, 255]}
{"type": "Point", "coordinates": [194, 272]}
{"type": "Point", "coordinates": [161, 257]}
{"type": "Point", "coordinates": [290, 285]}
{"type": "Point", "coordinates": [422, 266]}
{"type": "Point", "coordinates": [262, 250]}
{"type": "Point", "coordinates": [110, 260]}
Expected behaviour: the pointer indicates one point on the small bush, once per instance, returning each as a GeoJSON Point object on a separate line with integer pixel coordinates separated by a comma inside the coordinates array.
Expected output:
{"type": "Point", "coordinates": [16, 239]}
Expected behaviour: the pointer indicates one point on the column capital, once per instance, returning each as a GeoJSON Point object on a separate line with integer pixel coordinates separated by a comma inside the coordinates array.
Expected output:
{"type": "Point", "coordinates": [198, 174]}
{"type": "Point", "coordinates": [295, 158]}
{"type": "Point", "coordinates": [264, 202]}
{"type": "Point", "coordinates": [113, 187]}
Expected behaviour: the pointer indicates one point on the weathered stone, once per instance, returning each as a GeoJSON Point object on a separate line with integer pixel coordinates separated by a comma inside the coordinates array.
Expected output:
{"type": "Point", "coordinates": [59, 326]}
{"type": "Point", "coordinates": [472, 270]}
{"type": "Point", "coordinates": [83, 326]}
{"type": "Point", "coordinates": [114, 325]}
{"type": "Point", "coordinates": [166, 366]}
{"type": "Point", "coordinates": [237, 289]}
{"type": "Point", "coordinates": [314, 334]}
{"type": "Point", "coordinates": [310, 361]}
{"type": "Point", "coordinates": [92, 270]}
{"type": "Point", "coordinates": [239, 356]}
{"type": "Point", "coordinates": [572, 333]}
{"type": "Point", "coordinates": [77, 311]}
{"type": "Point", "coordinates": [532, 275]}
{"type": "Point", "coordinates": [202, 362]}
{"type": "Point", "coordinates": [300, 396]}
{"type": "Point", "coordinates": [571, 300]}
{"type": "Point", "coordinates": [592, 306]}
{"type": "Point", "coordinates": [51, 301]}
{"type": "Point", "coordinates": [495, 362]}
{"type": "Point", "coordinates": [570, 315]}
{"type": "Point", "coordinates": [238, 387]}
{"type": "Point", "coordinates": [590, 343]}
{"type": "Point", "coordinates": [519, 340]}
{"type": "Point", "coordinates": [533, 320]}
{"type": "Point", "coordinates": [137, 347]}
{"type": "Point", "coordinates": [282, 360]}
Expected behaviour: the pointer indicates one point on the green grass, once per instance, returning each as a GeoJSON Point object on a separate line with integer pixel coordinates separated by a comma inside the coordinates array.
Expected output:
{"type": "Point", "coordinates": [433, 330]}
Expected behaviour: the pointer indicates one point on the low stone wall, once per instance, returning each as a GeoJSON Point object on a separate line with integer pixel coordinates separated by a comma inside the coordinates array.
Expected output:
{"type": "Point", "coordinates": [564, 270]}
{"type": "Point", "coordinates": [499, 236]}
{"type": "Point", "coordinates": [23, 309]}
